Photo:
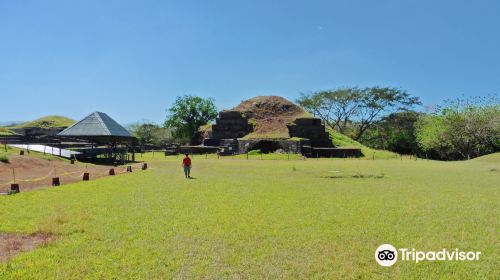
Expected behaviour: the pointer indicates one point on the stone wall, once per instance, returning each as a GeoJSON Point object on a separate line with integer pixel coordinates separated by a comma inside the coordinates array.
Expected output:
{"type": "Point", "coordinates": [37, 131]}
{"type": "Point", "coordinates": [230, 125]}
{"type": "Point", "coordinates": [269, 145]}
{"type": "Point", "coordinates": [312, 129]}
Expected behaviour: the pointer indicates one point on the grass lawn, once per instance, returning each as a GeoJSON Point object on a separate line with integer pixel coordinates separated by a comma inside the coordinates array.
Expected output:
{"type": "Point", "coordinates": [255, 219]}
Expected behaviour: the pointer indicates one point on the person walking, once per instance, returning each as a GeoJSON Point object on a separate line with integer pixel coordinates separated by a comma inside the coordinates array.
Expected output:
{"type": "Point", "coordinates": [186, 164]}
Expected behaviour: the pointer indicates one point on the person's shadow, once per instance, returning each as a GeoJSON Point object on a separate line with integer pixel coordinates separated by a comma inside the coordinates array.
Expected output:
{"type": "Point", "coordinates": [193, 178]}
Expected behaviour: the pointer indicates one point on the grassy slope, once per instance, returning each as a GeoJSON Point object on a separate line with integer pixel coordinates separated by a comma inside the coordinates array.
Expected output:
{"type": "Point", "coordinates": [341, 140]}
{"type": "Point", "coordinates": [261, 219]}
{"type": "Point", "coordinates": [5, 131]}
{"type": "Point", "coordinates": [48, 122]}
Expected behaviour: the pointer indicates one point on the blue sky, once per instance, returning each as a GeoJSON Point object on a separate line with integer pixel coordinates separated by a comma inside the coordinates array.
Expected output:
{"type": "Point", "coordinates": [131, 58]}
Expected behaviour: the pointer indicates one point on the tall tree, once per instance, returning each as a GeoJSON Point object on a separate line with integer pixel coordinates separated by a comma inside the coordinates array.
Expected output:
{"type": "Point", "coordinates": [188, 113]}
{"type": "Point", "coordinates": [335, 108]}
{"type": "Point", "coordinates": [356, 109]}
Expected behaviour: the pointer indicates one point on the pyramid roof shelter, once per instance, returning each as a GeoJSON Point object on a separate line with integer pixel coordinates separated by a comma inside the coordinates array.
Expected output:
{"type": "Point", "coordinates": [98, 127]}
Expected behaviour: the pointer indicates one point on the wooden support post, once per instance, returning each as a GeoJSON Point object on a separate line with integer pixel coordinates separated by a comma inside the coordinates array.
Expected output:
{"type": "Point", "coordinates": [112, 172]}
{"type": "Point", "coordinates": [86, 176]}
{"type": "Point", "coordinates": [144, 166]}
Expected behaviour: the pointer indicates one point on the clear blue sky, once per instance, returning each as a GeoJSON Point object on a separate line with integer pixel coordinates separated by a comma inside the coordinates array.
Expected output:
{"type": "Point", "coordinates": [131, 58]}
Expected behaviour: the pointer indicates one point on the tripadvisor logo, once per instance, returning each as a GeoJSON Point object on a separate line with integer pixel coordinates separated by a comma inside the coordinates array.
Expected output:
{"type": "Point", "coordinates": [387, 255]}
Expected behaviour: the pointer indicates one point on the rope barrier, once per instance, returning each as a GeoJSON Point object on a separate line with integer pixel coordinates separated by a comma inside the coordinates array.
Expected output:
{"type": "Point", "coordinates": [68, 174]}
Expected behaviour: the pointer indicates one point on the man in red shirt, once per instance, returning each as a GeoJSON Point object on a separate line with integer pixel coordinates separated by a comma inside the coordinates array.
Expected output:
{"type": "Point", "coordinates": [186, 163]}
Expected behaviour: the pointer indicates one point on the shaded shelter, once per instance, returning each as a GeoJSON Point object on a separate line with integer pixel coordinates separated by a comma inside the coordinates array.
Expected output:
{"type": "Point", "coordinates": [107, 138]}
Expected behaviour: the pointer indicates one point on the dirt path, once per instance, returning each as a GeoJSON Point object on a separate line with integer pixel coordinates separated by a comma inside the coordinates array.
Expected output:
{"type": "Point", "coordinates": [32, 173]}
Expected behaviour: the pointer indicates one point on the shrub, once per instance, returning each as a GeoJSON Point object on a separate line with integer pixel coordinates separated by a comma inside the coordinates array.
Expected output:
{"type": "Point", "coordinates": [254, 152]}
{"type": "Point", "coordinates": [4, 158]}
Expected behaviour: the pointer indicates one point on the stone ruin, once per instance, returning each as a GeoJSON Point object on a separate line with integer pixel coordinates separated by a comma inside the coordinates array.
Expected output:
{"type": "Point", "coordinates": [312, 129]}
{"type": "Point", "coordinates": [269, 124]}
{"type": "Point", "coordinates": [231, 125]}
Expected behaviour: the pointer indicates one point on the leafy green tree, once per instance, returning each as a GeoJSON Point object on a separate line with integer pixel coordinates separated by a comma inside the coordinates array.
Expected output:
{"type": "Point", "coordinates": [462, 129]}
{"type": "Point", "coordinates": [151, 134]}
{"type": "Point", "coordinates": [188, 113]}
{"type": "Point", "coordinates": [353, 111]}
{"type": "Point", "coordinates": [336, 108]}
{"type": "Point", "coordinates": [395, 132]}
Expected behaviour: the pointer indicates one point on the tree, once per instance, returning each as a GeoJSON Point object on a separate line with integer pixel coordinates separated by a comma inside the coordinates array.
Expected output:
{"type": "Point", "coordinates": [150, 134]}
{"type": "Point", "coordinates": [335, 108]}
{"type": "Point", "coordinates": [356, 109]}
{"type": "Point", "coordinates": [188, 113]}
{"type": "Point", "coordinates": [394, 132]}
{"type": "Point", "coordinates": [462, 129]}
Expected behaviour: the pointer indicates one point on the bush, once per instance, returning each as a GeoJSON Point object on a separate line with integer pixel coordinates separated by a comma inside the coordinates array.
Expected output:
{"type": "Point", "coordinates": [254, 152]}
{"type": "Point", "coordinates": [4, 158]}
{"type": "Point", "coordinates": [462, 129]}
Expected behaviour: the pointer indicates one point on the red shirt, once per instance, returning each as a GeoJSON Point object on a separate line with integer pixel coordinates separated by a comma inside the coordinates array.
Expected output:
{"type": "Point", "coordinates": [186, 161]}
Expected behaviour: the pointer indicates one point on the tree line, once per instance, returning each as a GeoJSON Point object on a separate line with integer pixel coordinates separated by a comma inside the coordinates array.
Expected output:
{"type": "Point", "coordinates": [378, 117]}
{"type": "Point", "coordinates": [383, 118]}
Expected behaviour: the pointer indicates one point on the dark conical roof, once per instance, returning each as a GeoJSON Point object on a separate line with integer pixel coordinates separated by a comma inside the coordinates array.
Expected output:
{"type": "Point", "coordinates": [96, 124]}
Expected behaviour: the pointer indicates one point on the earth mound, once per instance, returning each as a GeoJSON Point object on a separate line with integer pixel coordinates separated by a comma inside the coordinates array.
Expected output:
{"type": "Point", "coordinates": [47, 122]}
{"type": "Point", "coordinates": [269, 115]}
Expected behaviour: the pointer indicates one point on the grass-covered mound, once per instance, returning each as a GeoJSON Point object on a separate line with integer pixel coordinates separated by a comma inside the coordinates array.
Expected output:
{"type": "Point", "coordinates": [489, 158]}
{"type": "Point", "coordinates": [269, 116]}
{"type": "Point", "coordinates": [261, 219]}
{"type": "Point", "coordinates": [5, 131]}
{"type": "Point", "coordinates": [342, 141]}
{"type": "Point", "coordinates": [48, 122]}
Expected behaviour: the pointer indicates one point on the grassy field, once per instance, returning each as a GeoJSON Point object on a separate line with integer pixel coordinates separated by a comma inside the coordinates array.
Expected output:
{"type": "Point", "coordinates": [254, 219]}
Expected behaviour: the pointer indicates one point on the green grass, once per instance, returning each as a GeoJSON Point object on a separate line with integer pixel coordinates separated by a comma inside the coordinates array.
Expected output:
{"type": "Point", "coordinates": [342, 141]}
{"type": "Point", "coordinates": [48, 122]}
{"type": "Point", "coordinates": [258, 219]}
{"type": "Point", "coordinates": [5, 131]}
{"type": "Point", "coordinates": [4, 157]}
